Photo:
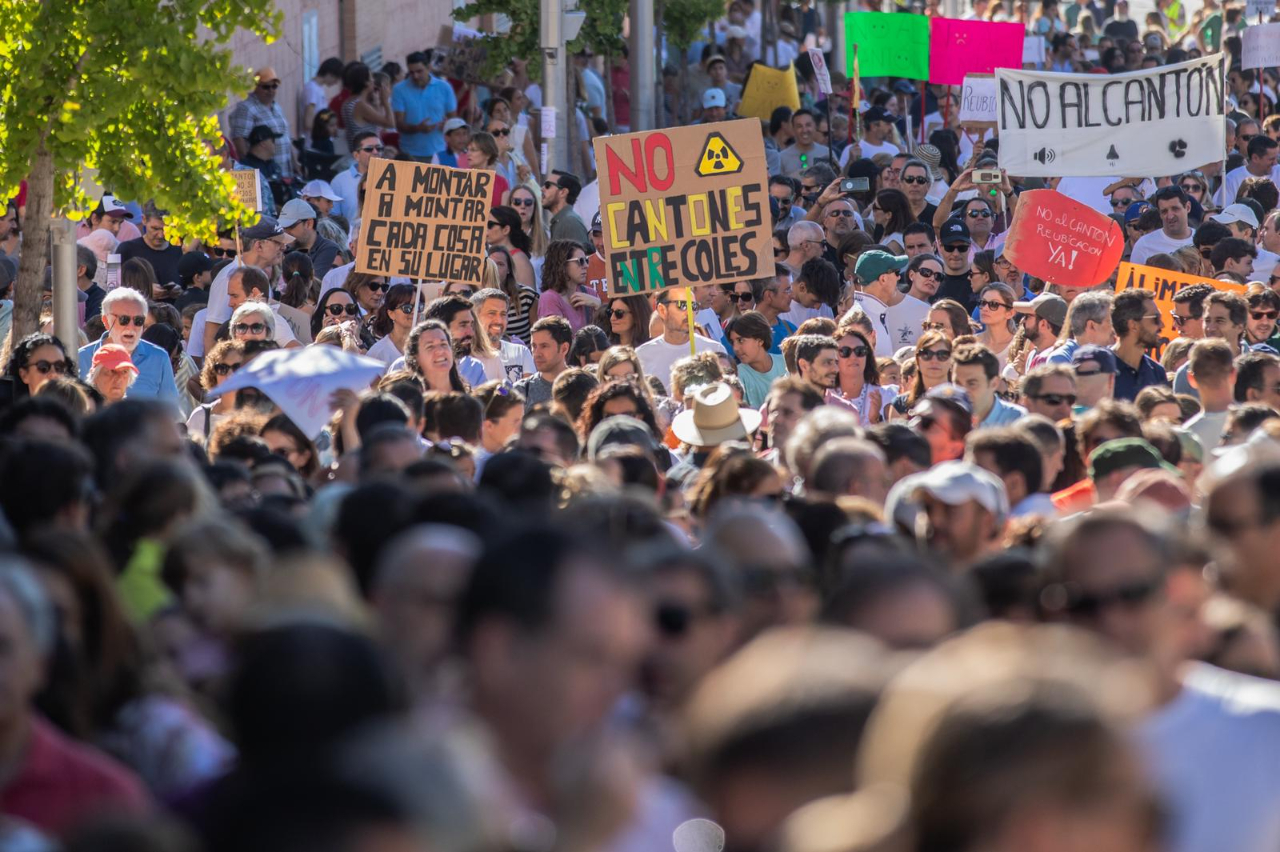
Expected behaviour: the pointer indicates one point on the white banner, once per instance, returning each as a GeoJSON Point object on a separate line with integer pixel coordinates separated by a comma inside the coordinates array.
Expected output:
{"type": "Point", "coordinates": [820, 69]}
{"type": "Point", "coordinates": [1162, 121]}
{"type": "Point", "coordinates": [978, 100]}
{"type": "Point", "coordinates": [1261, 46]}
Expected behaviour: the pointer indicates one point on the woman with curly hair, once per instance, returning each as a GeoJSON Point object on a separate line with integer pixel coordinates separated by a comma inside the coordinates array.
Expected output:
{"type": "Point", "coordinates": [36, 359]}
{"type": "Point", "coordinates": [618, 397]}
{"type": "Point", "coordinates": [563, 277]}
{"type": "Point", "coordinates": [220, 364]}
{"type": "Point", "coordinates": [429, 355]}
{"type": "Point", "coordinates": [733, 472]}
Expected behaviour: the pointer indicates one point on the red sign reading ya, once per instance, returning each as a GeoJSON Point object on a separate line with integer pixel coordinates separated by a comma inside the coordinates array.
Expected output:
{"type": "Point", "coordinates": [1062, 241]}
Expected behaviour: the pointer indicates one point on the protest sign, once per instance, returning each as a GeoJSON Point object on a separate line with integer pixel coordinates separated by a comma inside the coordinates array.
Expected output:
{"type": "Point", "coordinates": [978, 100]}
{"type": "Point", "coordinates": [1255, 9]}
{"type": "Point", "coordinates": [464, 54]}
{"type": "Point", "coordinates": [890, 44]}
{"type": "Point", "coordinates": [423, 221]}
{"type": "Point", "coordinates": [247, 187]}
{"type": "Point", "coordinates": [767, 89]}
{"type": "Point", "coordinates": [1063, 241]}
{"type": "Point", "coordinates": [1163, 286]}
{"type": "Point", "coordinates": [1160, 121]}
{"type": "Point", "coordinates": [820, 70]}
{"type": "Point", "coordinates": [957, 48]}
{"type": "Point", "coordinates": [300, 381]}
{"type": "Point", "coordinates": [1261, 46]}
{"type": "Point", "coordinates": [684, 206]}
{"type": "Point", "coordinates": [1033, 50]}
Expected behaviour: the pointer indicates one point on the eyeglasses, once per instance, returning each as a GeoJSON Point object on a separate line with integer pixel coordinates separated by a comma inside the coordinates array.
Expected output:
{"type": "Point", "coordinates": [124, 320]}
{"type": "Point", "coordinates": [1150, 316]}
{"type": "Point", "coordinates": [521, 202]}
{"type": "Point", "coordinates": [848, 214]}
{"type": "Point", "coordinates": [674, 619]}
{"type": "Point", "coordinates": [225, 369]}
{"type": "Point", "coordinates": [682, 305]}
{"type": "Point", "coordinates": [1056, 399]}
{"type": "Point", "coordinates": [372, 149]}
{"type": "Point", "coordinates": [1206, 252]}
{"type": "Point", "coordinates": [955, 249]}
{"type": "Point", "coordinates": [581, 261]}
{"type": "Point", "coordinates": [741, 298]}
{"type": "Point", "coordinates": [221, 252]}
{"type": "Point", "coordinates": [993, 304]}
{"type": "Point", "coordinates": [919, 180]}
{"type": "Point", "coordinates": [44, 367]}
{"type": "Point", "coordinates": [979, 214]}
{"type": "Point", "coordinates": [377, 286]}
{"type": "Point", "coordinates": [249, 328]}
{"type": "Point", "coordinates": [1264, 315]}
{"type": "Point", "coordinates": [876, 208]}
{"type": "Point", "coordinates": [1244, 138]}
{"type": "Point", "coordinates": [506, 132]}
{"type": "Point", "coordinates": [619, 313]}
{"type": "Point", "coordinates": [464, 292]}
{"type": "Point", "coordinates": [846, 351]}
{"type": "Point", "coordinates": [925, 272]}
{"type": "Point", "coordinates": [493, 225]}
{"type": "Point", "coordinates": [1117, 203]}
{"type": "Point", "coordinates": [338, 310]}
{"type": "Point", "coordinates": [934, 355]}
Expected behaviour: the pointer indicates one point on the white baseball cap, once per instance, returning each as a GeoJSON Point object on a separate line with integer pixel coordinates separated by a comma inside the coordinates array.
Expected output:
{"type": "Point", "coordinates": [114, 208]}
{"type": "Point", "coordinates": [714, 97]}
{"type": "Point", "coordinates": [1236, 213]}
{"type": "Point", "coordinates": [320, 189]}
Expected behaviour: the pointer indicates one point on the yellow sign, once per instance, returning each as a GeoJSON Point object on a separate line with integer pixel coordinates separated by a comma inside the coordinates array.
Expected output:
{"type": "Point", "coordinates": [718, 157]}
{"type": "Point", "coordinates": [247, 187]}
{"type": "Point", "coordinates": [767, 89]}
{"type": "Point", "coordinates": [1163, 286]}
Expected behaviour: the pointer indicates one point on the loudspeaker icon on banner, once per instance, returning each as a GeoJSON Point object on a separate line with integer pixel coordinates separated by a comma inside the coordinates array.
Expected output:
{"type": "Point", "coordinates": [1045, 156]}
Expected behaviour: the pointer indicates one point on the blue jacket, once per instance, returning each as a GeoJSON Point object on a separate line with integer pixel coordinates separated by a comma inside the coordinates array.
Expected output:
{"type": "Point", "coordinates": [155, 372]}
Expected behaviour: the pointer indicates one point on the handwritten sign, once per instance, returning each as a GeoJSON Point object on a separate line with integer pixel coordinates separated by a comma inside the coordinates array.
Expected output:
{"type": "Point", "coordinates": [957, 48]}
{"type": "Point", "coordinates": [1258, 9]}
{"type": "Point", "coordinates": [1160, 121]}
{"type": "Point", "coordinates": [424, 221]}
{"type": "Point", "coordinates": [767, 89]}
{"type": "Point", "coordinates": [1164, 285]}
{"type": "Point", "coordinates": [890, 44]}
{"type": "Point", "coordinates": [1063, 241]}
{"type": "Point", "coordinates": [247, 187]}
{"type": "Point", "coordinates": [684, 206]}
{"type": "Point", "coordinates": [1261, 46]}
{"type": "Point", "coordinates": [1033, 50]}
{"type": "Point", "coordinates": [978, 100]}
{"type": "Point", "coordinates": [820, 70]}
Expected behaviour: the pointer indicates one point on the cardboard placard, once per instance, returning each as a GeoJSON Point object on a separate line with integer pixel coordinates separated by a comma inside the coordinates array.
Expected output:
{"type": "Point", "coordinates": [684, 207]}
{"type": "Point", "coordinates": [424, 221]}
{"type": "Point", "coordinates": [890, 44]}
{"type": "Point", "coordinates": [1063, 241]}
{"type": "Point", "coordinates": [1164, 285]}
{"type": "Point", "coordinates": [1260, 46]}
{"type": "Point", "coordinates": [957, 48]}
{"type": "Point", "coordinates": [247, 187]}
{"type": "Point", "coordinates": [767, 89]}
{"type": "Point", "coordinates": [978, 100]}
{"type": "Point", "coordinates": [820, 70]}
{"type": "Point", "coordinates": [1160, 121]}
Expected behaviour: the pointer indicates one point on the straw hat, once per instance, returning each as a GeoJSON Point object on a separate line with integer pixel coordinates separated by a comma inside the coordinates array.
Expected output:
{"type": "Point", "coordinates": [713, 417]}
{"type": "Point", "coordinates": [931, 157]}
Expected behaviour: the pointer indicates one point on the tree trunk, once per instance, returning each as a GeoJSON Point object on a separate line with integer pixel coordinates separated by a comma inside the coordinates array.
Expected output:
{"type": "Point", "coordinates": [29, 288]}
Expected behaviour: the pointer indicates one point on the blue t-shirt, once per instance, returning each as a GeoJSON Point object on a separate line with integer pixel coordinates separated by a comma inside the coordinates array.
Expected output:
{"type": "Point", "coordinates": [431, 104]}
{"type": "Point", "coordinates": [781, 331]}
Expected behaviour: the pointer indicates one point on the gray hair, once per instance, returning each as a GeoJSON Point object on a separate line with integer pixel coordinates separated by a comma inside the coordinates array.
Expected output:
{"type": "Point", "coordinates": [86, 258]}
{"type": "Point", "coordinates": [19, 582]}
{"type": "Point", "coordinates": [332, 231]}
{"type": "Point", "coordinates": [261, 309]}
{"type": "Point", "coordinates": [820, 172]}
{"type": "Point", "coordinates": [123, 294]}
{"type": "Point", "coordinates": [481, 296]}
{"type": "Point", "coordinates": [1088, 307]}
{"type": "Point", "coordinates": [802, 230]}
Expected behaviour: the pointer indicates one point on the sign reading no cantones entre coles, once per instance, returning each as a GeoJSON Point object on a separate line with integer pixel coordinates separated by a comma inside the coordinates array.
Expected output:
{"type": "Point", "coordinates": [424, 221]}
{"type": "Point", "coordinates": [684, 206]}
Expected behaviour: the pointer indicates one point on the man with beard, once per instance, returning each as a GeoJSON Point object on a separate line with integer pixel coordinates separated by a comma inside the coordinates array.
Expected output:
{"type": "Point", "coordinates": [490, 307]}
{"type": "Point", "coordinates": [1042, 321]}
{"type": "Point", "coordinates": [123, 313]}
{"type": "Point", "coordinates": [818, 363]}
{"type": "Point", "coordinates": [1137, 324]}
{"type": "Point", "coordinates": [455, 312]}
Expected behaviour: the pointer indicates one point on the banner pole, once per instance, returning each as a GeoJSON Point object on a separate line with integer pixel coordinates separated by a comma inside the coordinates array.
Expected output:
{"type": "Point", "coordinates": [693, 349]}
{"type": "Point", "coordinates": [855, 114]}
{"type": "Point", "coordinates": [922, 91]}
{"type": "Point", "coordinates": [1222, 174]}
{"type": "Point", "coordinates": [417, 302]}
{"type": "Point", "coordinates": [831, 149]}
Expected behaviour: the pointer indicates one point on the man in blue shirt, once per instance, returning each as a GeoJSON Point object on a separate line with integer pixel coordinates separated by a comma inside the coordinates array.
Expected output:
{"type": "Point", "coordinates": [1137, 323]}
{"type": "Point", "coordinates": [347, 184]}
{"type": "Point", "coordinates": [421, 103]}
{"type": "Point", "coordinates": [123, 312]}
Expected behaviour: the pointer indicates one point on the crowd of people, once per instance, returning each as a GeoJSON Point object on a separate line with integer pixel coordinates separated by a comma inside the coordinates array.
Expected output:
{"type": "Point", "coordinates": [897, 548]}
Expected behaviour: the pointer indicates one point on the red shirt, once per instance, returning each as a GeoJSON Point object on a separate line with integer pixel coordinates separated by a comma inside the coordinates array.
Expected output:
{"type": "Point", "coordinates": [1076, 498]}
{"type": "Point", "coordinates": [62, 782]}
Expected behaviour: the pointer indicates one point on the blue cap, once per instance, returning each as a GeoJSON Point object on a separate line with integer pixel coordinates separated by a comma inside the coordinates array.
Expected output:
{"type": "Point", "coordinates": [1136, 209]}
{"type": "Point", "coordinates": [1091, 354]}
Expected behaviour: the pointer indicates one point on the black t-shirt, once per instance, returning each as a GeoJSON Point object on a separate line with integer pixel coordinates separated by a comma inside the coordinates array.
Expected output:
{"type": "Point", "coordinates": [165, 261]}
{"type": "Point", "coordinates": [926, 215]}
{"type": "Point", "coordinates": [959, 288]}
{"type": "Point", "coordinates": [193, 296]}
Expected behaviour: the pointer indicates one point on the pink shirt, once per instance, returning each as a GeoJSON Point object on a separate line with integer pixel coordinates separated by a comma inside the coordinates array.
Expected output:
{"type": "Point", "coordinates": [552, 304]}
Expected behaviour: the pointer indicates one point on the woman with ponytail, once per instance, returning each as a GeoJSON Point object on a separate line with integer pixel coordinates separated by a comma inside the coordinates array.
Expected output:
{"type": "Point", "coordinates": [301, 291]}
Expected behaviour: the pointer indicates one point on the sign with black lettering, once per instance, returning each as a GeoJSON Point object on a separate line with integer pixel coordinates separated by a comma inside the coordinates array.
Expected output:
{"type": "Point", "coordinates": [423, 221]}
{"type": "Point", "coordinates": [1161, 121]}
{"type": "Point", "coordinates": [684, 206]}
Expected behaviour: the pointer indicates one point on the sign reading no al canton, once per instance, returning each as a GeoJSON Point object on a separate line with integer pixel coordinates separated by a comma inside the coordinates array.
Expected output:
{"type": "Point", "coordinates": [684, 206]}
{"type": "Point", "coordinates": [423, 221]}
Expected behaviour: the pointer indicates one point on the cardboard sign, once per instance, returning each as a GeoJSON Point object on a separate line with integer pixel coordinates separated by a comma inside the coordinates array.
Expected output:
{"type": "Point", "coordinates": [820, 70]}
{"type": "Point", "coordinates": [1164, 285]}
{"type": "Point", "coordinates": [957, 48]}
{"type": "Point", "coordinates": [1161, 121]}
{"type": "Point", "coordinates": [684, 206]}
{"type": "Point", "coordinates": [978, 100]}
{"type": "Point", "coordinates": [1033, 50]}
{"type": "Point", "coordinates": [890, 44]}
{"type": "Point", "coordinates": [247, 187]}
{"type": "Point", "coordinates": [1258, 9]}
{"type": "Point", "coordinates": [767, 89]}
{"type": "Point", "coordinates": [1063, 241]}
{"type": "Point", "coordinates": [424, 221]}
{"type": "Point", "coordinates": [1261, 46]}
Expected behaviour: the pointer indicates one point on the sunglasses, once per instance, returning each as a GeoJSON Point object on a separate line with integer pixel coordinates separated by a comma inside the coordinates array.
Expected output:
{"type": "Point", "coordinates": [846, 351]}
{"type": "Point", "coordinates": [1264, 315]}
{"type": "Point", "coordinates": [1244, 138]}
{"type": "Point", "coordinates": [465, 292]}
{"type": "Point", "coordinates": [1179, 321]}
{"type": "Point", "coordinates": [1090, 605]}
{"type": "Point", "coordinates": [550, 184]}
{"type": "Point", "coordinates": [405, 308]}
{"type": "Point", "coordinates": [225, 370]}
{"type": "Point", "coordinates": [221, 252]}
{"type": "Point", "coordinates": [979, 214]}
{"type": "Point", "coordinates": [934, 355]}
{"type": "Point", "coordinates": [249, 328]}
{"type": "Point", "coordinates": [581, 261]}
{"type": "Point", "coordinates": [1083, 375]}
{"type": "Point", "coordinates": [933, 326]}
{"type": "Point", "coordinates": [847, 214]}
{"type": "Point", "coordinates": [673, 619]}
{"type": "Point", "coordinates": [500, 132]}
{"type": "Point", "coordinates": [1192, 187]}
{"type": "Point", "coordinates": [378, 286]}
{"type": "Point", "coordinates": [522, 202]}
{"type": "Point", "coordinates": [618, 313]}
{"type": "Point", "coordinates": [273, 86]}
{"type": "Point", "coordinates": [374, 149]}
{"type": "Point", "coordinates": [953, 249]}
{"type": "Point", "coordinates": [1057, 398]}
{"type": "Point", "coordinates": [682, 305]}
{"type": "Point", "coordinates": [124, 320]}
{"type": "Point", "coordinates": [493, 225]}
{"type": "Point", "coordinates": [741, 298]}
{"type": "Point", "coordinates": [993, 304]}
{"type": "Point", "coordinates": [45, 367]}
{"type": "Point", "coordinates": [927, 273]}
{"type": "Point", "coordinates": [338, 310]}
{"type": "Point", "coordinates": [919, 180]}
{"type": "Point", "coordinates": [1117, 203]}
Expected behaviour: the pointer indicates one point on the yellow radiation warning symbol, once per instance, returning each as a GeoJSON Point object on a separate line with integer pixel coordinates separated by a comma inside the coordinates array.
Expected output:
{"type": "Point", "coordinates": [718, 157]}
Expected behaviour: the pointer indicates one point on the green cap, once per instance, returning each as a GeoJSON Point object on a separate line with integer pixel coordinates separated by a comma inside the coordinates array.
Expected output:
{"type": "Point", "coordinates": [1122, 453]}
{"type": "Point", "coordinates": [872, 264]}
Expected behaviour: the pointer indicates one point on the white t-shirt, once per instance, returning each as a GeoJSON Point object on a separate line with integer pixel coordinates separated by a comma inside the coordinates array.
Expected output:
{"type": "Point", "coordinates": [336, 278]}
{"type": "Point", "coordinates": [1208, 427]}
{"type": "Point", "coordinates": [658, 355]}
{"type": "Point", "coordinates": [896, 326]}
{"type": "Point", "coordinates": [195, 346]}
{"type": "Point", "coordinates": [1155, 243]}
{"type": "Point", "coordinates": [1211, 754]}
{"type": "Point", "coordinates": [1264, 264]}
{"type": "Point", "coordinates": [1237, 176]}
{"type": "Point", "coordinates": [869, 150]}
{"type": "Point", "coordinates": [517, 361]}
{"type": "Point", "coordinates": [312, 94]}
{"type": "Point", "coordinates": [385, 350]}
{"type": "Point", "coordinates": [1088, 190]}
{"type": "Point", "coordinates": [800, 314]}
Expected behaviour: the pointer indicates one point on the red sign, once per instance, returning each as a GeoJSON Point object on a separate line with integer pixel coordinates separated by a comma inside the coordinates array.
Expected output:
{"type": "Point", "coordinates": [1063, 241]}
